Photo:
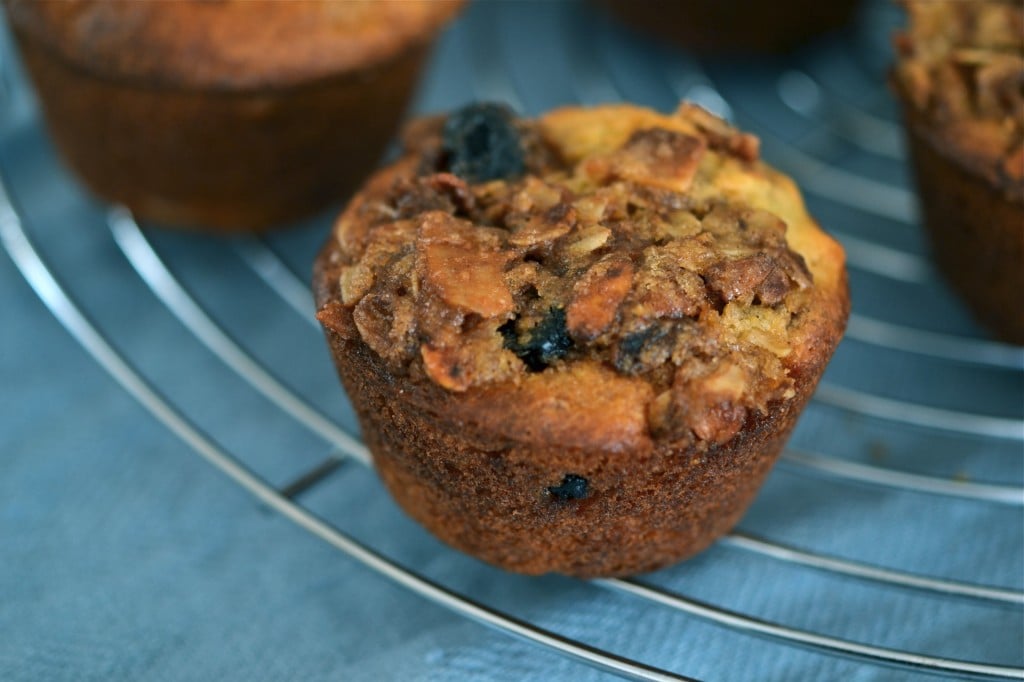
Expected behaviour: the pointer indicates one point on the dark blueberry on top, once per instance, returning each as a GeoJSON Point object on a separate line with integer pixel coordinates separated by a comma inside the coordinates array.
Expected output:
{"type": "Point", "coordinates": [573, 487]}
{"type": "Point", "coordinates": [545, 343]}
{"type": "Point", "coordinates": [481, 143]}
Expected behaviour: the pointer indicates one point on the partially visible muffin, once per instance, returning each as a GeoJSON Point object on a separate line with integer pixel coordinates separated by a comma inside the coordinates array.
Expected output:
{"type": "Point", "coordinates": [226, 114]}
{"type": "Point", "coordinates": [578, 343]}
{"type": "Point", "coordinates": [711, 26]}
{"type": "Point", "coordinates": [960, 79]}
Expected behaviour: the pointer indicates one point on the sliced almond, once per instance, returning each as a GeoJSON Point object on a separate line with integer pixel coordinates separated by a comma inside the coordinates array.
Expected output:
{"type": "Point", "coordinates": [463, 265]}
{"type": "Point", "coordinates": [588, 240]}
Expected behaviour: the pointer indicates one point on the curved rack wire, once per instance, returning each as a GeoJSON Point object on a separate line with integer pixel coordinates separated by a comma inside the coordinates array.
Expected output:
{"type": "Point", "coordinates": [805, 95]}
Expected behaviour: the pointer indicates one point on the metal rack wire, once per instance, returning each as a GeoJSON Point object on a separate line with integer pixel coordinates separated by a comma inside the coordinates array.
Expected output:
{"type": "Point", "coordinates": [835, 140]}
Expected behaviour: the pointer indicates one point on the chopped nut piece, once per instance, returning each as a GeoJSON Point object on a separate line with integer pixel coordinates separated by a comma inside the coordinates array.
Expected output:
{"type": "Point", "coordinates": [455, 188]}
{"type": "Point", "coordinates": [457, 364]}
{"type": "Point", "coordinates": [536, 196]}
{"type": "Point", "coordinates": [387, 323]}
{"type": "Point", "coordinates": [738, 280]}
{"type": "Point", "coordinates": [545, 227]}
{"type": "Point", "coordinates": [597, 295]}
{"type": "Point", "coordinates": [727, 382]}
{"type": "Point", "coordinates": [693, 253]}
{"type": "Point", "coordinates": [706, 400]}
{"type": "Point", "coordinates": [717, 422]}
{"type": "Point", "coordinates": [443, 369]}
{"type": "Point", "coordinates": [664, 289]}
{"type": "Point", "coordinates": [338, 319]}
{"type": "Point", "coordinates": [678, 224]}
{"type": "Point", "coordinates": [660, 158]}
{"type": "Point", "coordinates": [720, 134]}
{"type": "Point", "coordinates": [773, 288]}
{"type": "Point", "coordinates": [457, 358]}
{"type": "Point", "coordinates": [354, 282]}
{"type": "Point", "coordinates": [763, 228]}
{"type": "Point", "coordinates": [463, 264]}
{"type": "Point", "coordinates": [759, 326]}
{"type": "Point", "coordinates": [590, 239]}
{"type": "Point", "coordinates": [592, 208]}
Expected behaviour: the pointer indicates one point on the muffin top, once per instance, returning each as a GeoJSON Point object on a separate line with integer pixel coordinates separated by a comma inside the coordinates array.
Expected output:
{"type": "Point", "coordinates": [606, 277]}
{"type": "Point", "coordinates": [227, 44]}
{"type": "Point", "coordinates": [961, 66]}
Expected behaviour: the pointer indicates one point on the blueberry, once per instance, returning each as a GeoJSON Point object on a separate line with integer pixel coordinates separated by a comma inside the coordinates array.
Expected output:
{"type": "Point", "coordinates": [573, 487]}
{"type": "Point", "coordinates": [481, 143]}
{"type": "Point", "coordinates": [548, 340]}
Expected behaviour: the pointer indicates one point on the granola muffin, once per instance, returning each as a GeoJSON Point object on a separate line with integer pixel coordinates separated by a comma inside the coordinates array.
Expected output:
{"type": "Point", "coordinates": [711, 26]}
{"type": "Point", "coordinates": [578, 343]}
{"type": "Point", "coordinates": [960, 79]}
{"type": "Point", "coordinates": [228, 114]}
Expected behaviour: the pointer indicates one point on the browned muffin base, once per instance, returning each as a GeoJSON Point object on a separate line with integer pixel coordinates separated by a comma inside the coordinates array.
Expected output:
{"type": "Point", "coordinates": [718, 26]}
{"type": "Point", "coordinates": [976, 233]}
{"type": "Point", "coordinates": [489, 497]}
{"type": "Point", "coordinates": [229, 160]}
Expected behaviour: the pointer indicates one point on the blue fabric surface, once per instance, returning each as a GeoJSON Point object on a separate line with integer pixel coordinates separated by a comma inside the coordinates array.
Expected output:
{"type": "Point", "coordinates": [124, 556]}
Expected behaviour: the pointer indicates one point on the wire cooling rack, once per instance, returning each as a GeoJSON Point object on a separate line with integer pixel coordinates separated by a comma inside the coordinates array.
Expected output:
{"type": "Point", "coordinates": [919, 405]}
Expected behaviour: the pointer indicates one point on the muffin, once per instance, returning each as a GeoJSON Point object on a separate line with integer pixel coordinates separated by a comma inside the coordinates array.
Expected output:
{"type": "Point", "coordinates": [227, 114]}
{"type": "Point", "coordinates": [578, 343]}
{"type": "Point", "coordinates": [960, 79]}
{"type": "Point", "coordinates": [711, 26]}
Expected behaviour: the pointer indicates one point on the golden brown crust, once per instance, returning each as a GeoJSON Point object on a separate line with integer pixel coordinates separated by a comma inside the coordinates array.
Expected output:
{"type": "Point", "coordinates": [671, 442]}
{"type": "Point", "coordinates": [228, 44]}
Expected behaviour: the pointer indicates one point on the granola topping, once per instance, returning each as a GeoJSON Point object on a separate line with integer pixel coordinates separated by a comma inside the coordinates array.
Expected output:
{"type": "Point", "coordinates": [614, 250]}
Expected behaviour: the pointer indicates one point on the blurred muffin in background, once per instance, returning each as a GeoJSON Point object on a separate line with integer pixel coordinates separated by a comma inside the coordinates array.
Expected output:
{"type": "Point", "coordinates": [960, 79]}
{"type": "Point", "coordinates": [229, 115]}
{"type": "Point", "coordinates": [732, 25]}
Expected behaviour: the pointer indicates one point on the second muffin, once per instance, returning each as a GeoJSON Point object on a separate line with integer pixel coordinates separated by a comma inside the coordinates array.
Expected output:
{"type": "Point", "coordinates": [232, 115]}
{"type": "Point", "coordinates": [578, 344]}
{"type": "Point", "coordinates": [960, 79]}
